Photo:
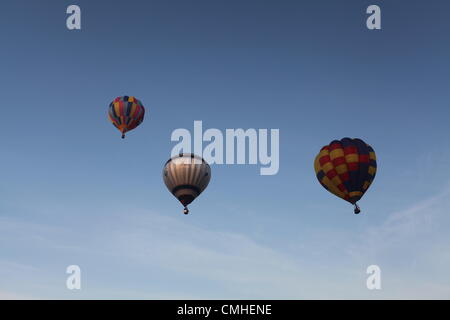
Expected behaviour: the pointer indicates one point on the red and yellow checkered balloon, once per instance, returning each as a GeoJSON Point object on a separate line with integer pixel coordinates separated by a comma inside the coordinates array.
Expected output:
{"type": "Point", "coordinates": [346, 168]}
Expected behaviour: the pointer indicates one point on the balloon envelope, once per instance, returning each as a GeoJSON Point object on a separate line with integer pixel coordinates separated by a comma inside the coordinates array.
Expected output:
{"type": "Point", "coordinates": [186, 176]}
{"type": "Point", "coordinates": [126, 113]}
{"type": "Point", "coordinates": [346, 168]}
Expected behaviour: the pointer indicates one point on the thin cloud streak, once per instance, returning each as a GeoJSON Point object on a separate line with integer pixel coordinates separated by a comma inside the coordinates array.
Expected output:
{"type": "Point", "coordinates": [233, 264]}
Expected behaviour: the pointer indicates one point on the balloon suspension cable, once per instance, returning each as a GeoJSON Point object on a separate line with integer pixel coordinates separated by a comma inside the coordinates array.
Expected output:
{"type": "Point", "coordinates": [357, 209]}
{"type": "Point", "coordinates": [186, 210]}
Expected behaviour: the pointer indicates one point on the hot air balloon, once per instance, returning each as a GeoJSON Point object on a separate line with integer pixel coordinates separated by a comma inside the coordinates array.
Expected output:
{"type": "Point", "coordinates": [186, 176]}
{"type": "Point", "coordinates": [126, 113]}
{"type": "Point", "coordinates": [346, 168]}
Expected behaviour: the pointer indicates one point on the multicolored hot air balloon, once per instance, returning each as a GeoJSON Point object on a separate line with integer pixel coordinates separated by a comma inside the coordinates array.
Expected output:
{"type": "Point", "coordinates": [186, 176]}
{"type": "Point", "coordinates": [346, 168]}
{"type": "Point", "coordinates": [126, 113]}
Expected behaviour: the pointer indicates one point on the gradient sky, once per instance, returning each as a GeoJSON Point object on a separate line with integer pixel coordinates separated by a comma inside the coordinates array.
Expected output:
{"type": "Point", "coordinates": [73, 192]}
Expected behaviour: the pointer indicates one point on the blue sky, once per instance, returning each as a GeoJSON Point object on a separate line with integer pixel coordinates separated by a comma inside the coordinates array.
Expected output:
{"type": "Point", "coordinates": [73, 192]}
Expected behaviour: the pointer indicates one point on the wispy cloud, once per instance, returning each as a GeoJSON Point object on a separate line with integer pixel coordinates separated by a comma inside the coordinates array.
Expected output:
{"type": "Point", "coordinates": [149, 255]}
{"type": "Point", "coordinates": [412, 247]}
{"type": "Point", "coordinates": [13, 296]}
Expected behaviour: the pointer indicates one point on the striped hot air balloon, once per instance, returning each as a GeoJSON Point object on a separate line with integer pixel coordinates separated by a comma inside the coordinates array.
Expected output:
{"type": "Point", "coordinates": [346, 168]}
{"type": "Point", "coordinates": [186, 176]}
{"type": "Point", "coordinates": [126, 113]}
